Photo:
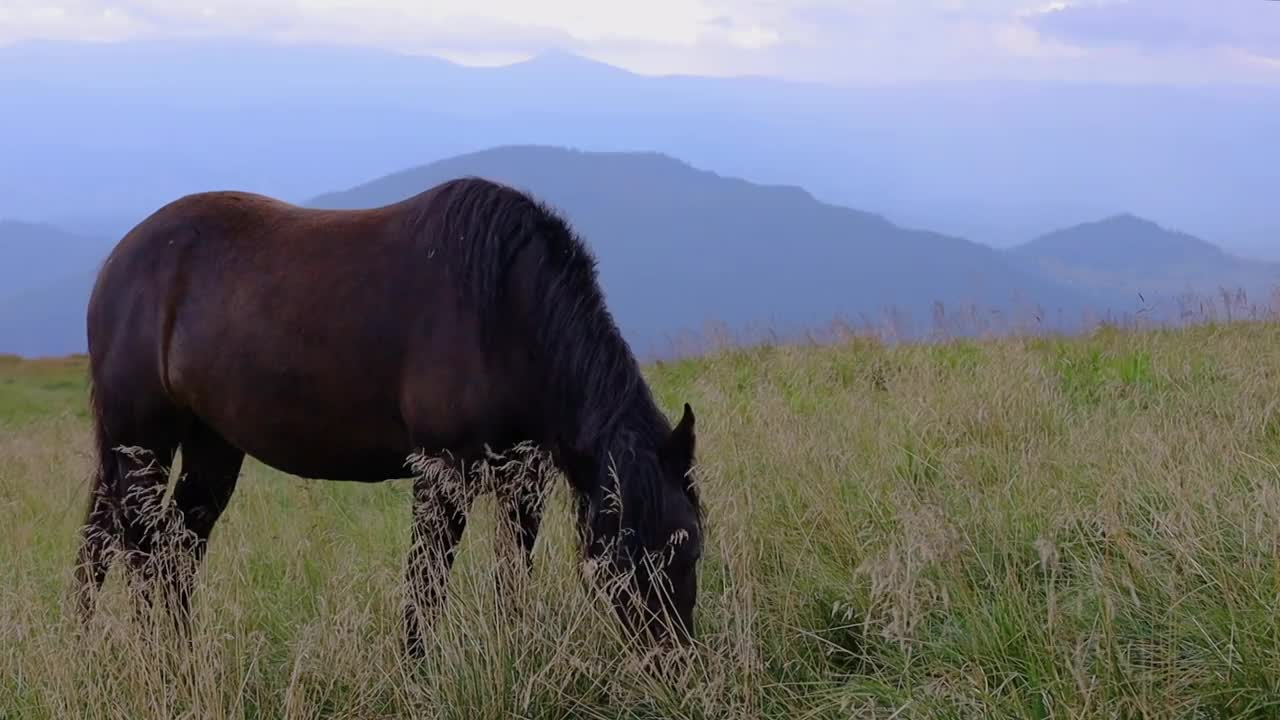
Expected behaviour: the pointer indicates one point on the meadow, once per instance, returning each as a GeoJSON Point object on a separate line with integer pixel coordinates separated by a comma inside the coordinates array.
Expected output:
{"type": "Point", "coordinates": [1008, 528]}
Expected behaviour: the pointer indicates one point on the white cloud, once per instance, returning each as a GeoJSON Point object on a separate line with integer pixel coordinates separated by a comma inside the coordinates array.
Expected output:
{"type": "Point", "coordinates": [1251, 25]}
{"type": "Point", "coordinates": [682, 23]}
{"type": "Point", "coordinates": [834, 40]}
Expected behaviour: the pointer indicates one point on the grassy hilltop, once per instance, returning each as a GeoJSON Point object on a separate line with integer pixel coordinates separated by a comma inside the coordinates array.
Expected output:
{"type": "Point", "coordinates": [1009, 528]}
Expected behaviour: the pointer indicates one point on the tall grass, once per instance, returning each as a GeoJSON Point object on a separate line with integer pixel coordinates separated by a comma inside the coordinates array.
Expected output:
{"type": "Point", "coordinates": [1033, 527]}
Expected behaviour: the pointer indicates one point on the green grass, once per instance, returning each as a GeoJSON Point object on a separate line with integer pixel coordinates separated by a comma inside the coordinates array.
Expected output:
{"type": "Point", "coordinates": [38, 389]}
{"type": "Point", "coordinates": [1022, 528]}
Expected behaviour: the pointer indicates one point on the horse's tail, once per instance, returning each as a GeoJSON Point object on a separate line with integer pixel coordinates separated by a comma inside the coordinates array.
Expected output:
{"type": "Point", "coordinates": [100, 532]}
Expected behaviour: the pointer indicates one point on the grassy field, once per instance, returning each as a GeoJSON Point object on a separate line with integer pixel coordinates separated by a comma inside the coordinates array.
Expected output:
{"type": "Point", "coordinates": [1016, 528]}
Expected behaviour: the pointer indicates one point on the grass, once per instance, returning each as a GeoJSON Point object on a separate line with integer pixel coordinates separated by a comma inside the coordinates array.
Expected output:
{"type": "Point", "coordinates": [1015, 528]}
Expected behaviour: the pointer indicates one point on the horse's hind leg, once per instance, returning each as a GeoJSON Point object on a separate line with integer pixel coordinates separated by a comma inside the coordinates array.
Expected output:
{"type": "Point", "coordinates": [142, 474]}
{"type": "Point", "coordinates": [99, 535]}
{"type": "Point", "coordinates": [210, 469]}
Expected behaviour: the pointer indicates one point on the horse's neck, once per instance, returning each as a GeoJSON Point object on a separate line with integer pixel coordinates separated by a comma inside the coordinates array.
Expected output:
{"type": "Point", "coordinates": [637, 433]}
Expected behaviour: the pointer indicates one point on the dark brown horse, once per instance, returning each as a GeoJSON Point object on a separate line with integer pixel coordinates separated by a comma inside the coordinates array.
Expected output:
{"type": "Point", "coordinates": [335, 344]}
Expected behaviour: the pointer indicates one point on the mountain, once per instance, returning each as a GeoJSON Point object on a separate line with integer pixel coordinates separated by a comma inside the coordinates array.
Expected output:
{"type": "Point", "coordinates": [96, 135]}
{"type": "Point", "coordinates": [33, 254]}
{"type": "Point", "coordinates": [45, 277]}
{"type": "Point", "coordinates": [1129, 255]}
{"type": "Point", "coordinates": [679, 246]}
{"type": "Point", "coordinates": [48, 320]}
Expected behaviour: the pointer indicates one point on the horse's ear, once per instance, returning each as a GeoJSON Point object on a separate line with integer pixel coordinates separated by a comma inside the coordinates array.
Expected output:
{"type": "Point", "coordinates": [683, 441]}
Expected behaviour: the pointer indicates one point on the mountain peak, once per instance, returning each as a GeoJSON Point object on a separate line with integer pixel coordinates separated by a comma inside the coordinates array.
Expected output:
{"type": "Point", "coordinates": [653, 177]}
{"type": "Point", "coordinates": [1122, 234]}
{"type": "Point", "coordinates": [1129, 220]}
{"type": "Point", "coordinates": [680, 245]}
{"type": "Point", "coordinates": [12, 228]}
{"type": "Point", "coordinates": [1130, 253]}
{"type": "Point", "coordinates": [565, 62]}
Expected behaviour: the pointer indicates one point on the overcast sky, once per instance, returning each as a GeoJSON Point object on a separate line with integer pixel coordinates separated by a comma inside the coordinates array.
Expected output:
{"type": "Point", "coordinates": [846, 41]}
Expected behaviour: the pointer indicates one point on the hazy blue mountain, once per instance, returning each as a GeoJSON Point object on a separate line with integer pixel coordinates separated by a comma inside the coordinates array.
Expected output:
{"type": "Point", "coordinates": [32, 255]}
{"type": "Point", "coordinates": [48, 320]}
{"type": "Point", "coordinates": [1131, 256]}
{"type": "Point", "coordinates": [45, 277]}
{"type": "Point", "coordinates": [94, 136]}
{"type": "Point", "coordinates": [679, 246]}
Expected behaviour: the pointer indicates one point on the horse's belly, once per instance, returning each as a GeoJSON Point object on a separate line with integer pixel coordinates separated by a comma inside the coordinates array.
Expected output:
{"type": "Point", "coordinates": [346, 464]}
{"type": "Point", "coordinates": [313, 427]}
{"type": "Point", "coordinates": [325, 401]}
{"type": "Point", "coordinates": [343, 448]}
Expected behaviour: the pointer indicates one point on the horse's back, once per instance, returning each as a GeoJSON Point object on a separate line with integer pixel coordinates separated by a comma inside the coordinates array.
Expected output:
{"type": "Point", "coordinates": [250, 253]}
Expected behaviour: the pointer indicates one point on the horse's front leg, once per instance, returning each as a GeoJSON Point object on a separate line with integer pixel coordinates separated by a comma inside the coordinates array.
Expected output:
{"type": "Point", "coordinates": [520, 499]}
{"type": "Point", "coordinates": [439, 518]}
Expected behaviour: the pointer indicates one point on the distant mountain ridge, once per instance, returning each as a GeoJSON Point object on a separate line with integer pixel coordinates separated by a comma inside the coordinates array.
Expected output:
{"type": "Point", "coordinates": [649, 180]}
{"type": "Point", "coordinates": [1127, 254]}
{"type": "Point", "coordinates": [45, 277]}
{"type": "Point", "coordinates": [1122, 241]}
{"type": "Point", "coordinates": [681, 246]}
{"type": "Point", "coordinates": [998, 162]}
{"type": "Point", "coordinates": [28, 251]}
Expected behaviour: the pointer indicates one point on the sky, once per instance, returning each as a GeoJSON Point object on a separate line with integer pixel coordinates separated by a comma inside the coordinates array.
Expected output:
{"type": "Point", "coordinates": [831, 41]}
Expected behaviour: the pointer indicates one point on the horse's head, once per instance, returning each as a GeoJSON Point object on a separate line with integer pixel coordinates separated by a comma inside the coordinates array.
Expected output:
{"type": "Point", "coordinates": [646, 535]}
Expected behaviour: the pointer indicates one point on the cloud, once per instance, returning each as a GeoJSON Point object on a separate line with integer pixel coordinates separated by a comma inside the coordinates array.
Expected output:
{"type": "Point", "coordinates": [398, 23]}
{"type": "Point", "coordinates": [854, 41]}
{"type": "Point", "coordinates": [1168, 25]}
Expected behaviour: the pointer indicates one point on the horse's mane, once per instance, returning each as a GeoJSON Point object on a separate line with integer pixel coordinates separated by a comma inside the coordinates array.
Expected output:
{"type": "Point", "coordinates": [591, 372]}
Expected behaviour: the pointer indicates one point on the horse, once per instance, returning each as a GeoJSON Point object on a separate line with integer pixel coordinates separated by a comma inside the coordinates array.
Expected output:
{"type": "Point", "coordinates": [329, 344]}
